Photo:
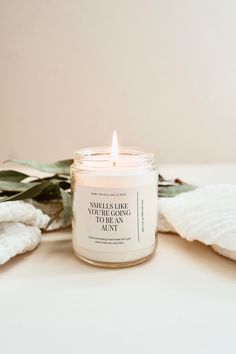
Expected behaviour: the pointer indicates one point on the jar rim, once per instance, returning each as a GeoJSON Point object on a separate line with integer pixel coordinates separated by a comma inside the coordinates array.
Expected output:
{"type": "Point", "coordinates": [100, 157]}
{"type": "Point", "coordinates": [104, 154]}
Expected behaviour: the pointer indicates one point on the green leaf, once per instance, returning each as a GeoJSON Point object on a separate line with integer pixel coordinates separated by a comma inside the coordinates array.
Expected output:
{"type": "Point", "coordinates": [64, 165]}
{"type": "Point", "coordinates": [59, 167]}
{"type": "Point", "coordinates": [12, 176]}
{"type": "Point", "coordinates": [54, 218]}
{"type": "Point", "coordinates": [57, 177]}
{"type": "Point", "coordinates": [64, 184]}
{"type": "Point", "coordinates": [53, 191]}
{"type": "Point", "coordinates": [172, 191]}
{"type": "Point", "coordinates": [31, 192]}
{"type": "Point", "coordinates": [15, 186]}
{"type": "Point", "coordinates": [66, 200]}
{"type": "Point", "coordinates": [4, 194]}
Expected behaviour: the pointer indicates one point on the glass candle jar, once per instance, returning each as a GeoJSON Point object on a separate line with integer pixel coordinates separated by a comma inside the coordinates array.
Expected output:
{"type": "Point", "coordinates": [114, 206]}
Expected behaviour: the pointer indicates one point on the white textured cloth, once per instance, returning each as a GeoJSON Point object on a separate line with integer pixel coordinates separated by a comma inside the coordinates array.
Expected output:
{"type": "Point", "coordinates": [207, 214]}
{"type": "Point", "coordinates": [20, 225]}
{"type": "Point", "coordinates": [25, 213]}
{"type": "Point", "coordinates": [17, 238]}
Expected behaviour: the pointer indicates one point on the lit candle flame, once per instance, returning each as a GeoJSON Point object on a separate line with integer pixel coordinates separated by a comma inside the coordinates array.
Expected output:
{"type": "Point", "coordinates": [114, 149]}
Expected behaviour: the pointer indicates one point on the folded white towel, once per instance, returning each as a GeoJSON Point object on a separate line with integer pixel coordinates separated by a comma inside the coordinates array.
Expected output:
{"type": "Point", "coordinates": [207, 214]}
{"type": "Point", "coordinates": [20, 225]}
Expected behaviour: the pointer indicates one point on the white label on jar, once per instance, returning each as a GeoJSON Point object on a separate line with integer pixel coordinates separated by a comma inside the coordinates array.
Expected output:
{"type": "Point", "coordinates": [117, 219]}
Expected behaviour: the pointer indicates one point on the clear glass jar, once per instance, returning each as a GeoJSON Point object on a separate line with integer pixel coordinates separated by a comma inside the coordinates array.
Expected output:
{"type": "Point", "coordinates": [114, 206]}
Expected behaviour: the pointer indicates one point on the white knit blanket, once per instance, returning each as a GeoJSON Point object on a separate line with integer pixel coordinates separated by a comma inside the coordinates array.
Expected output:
{"type": "Point", "coordinates": [20, 227]}
{"type": "Point", "coordinates": [207, 214]}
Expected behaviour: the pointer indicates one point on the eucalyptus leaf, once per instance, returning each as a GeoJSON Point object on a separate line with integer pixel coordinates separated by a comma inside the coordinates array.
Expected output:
{"type": "Point", "coordinates": [66, 200]}
{"type": "Point", "coordinates": [12, 176]}
{"type": "Point", "coordinates": [57, 186]}
{"type": "Point", "coordinates": [59, 167]}
{"type": "Point", "coordinates": [64, 184]}
{"type": "Point", "coordinates": [53, 190]}
{"type": "Point", "coordinates": [4, 194]}
{"type": "Point", "coordinates": [54, 217]}
{"type": "Point", "coordinates": [57, 177]}
{"type": "Point", "coordinates": [31, 192]}
{"type": "Point", "coordinates": [15, 186]}
{"type": "Point", "coordinates": [172, 191]}
{"type": "Point", "coordinates": [53, 179]}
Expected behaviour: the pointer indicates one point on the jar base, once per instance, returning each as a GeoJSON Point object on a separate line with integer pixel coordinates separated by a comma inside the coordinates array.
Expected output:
{"type": "Point", "coordinates": [115, 264]}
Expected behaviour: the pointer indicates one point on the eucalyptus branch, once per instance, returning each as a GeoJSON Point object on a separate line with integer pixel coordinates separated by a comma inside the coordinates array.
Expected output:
{"type": "Point", "coordinates": [15, 185]}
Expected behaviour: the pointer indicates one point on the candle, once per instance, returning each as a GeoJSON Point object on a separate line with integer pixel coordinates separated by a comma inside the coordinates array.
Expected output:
{"type": "Point", "coordinates": [114, 205]}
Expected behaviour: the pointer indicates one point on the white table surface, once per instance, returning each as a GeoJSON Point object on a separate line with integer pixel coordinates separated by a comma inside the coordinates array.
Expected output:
{"type": "Point", "coordinates": [181, 301]}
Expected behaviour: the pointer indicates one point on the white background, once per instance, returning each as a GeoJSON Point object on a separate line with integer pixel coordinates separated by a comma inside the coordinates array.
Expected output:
{"type": "Point", "coordinates": [163, 73]}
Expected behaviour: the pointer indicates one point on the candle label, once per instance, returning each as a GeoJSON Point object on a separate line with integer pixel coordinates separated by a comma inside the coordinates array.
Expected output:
{"type": "Point", "coordinates": [115, 219]}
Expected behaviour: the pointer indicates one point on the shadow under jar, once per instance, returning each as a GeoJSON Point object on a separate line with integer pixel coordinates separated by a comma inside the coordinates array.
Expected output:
{"type": "Point", "coordinates": [114, 206]}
